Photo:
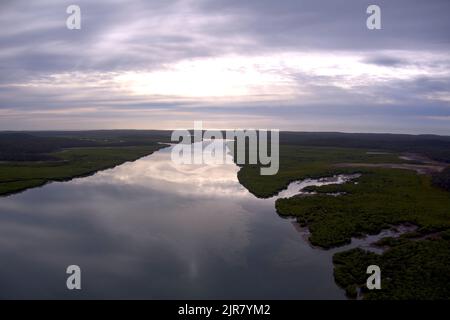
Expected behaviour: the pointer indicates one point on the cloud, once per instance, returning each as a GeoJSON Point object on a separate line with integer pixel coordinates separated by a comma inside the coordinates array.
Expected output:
{"type": "Point", "coordinates": [276, 62]}
{"type": "Point", "coordinates": [388, 61]}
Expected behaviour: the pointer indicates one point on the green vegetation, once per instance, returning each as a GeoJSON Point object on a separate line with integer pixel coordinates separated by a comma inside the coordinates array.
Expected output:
{"type": "Point", "coordinates": [18, 176]}
{"type": "Point", "coordinates": [382, 197]}
{"type": "Point", "coordinates": [32, 160]}
{"type": "Point", "coordinates": [37, 146]}
{"type": "Point", "coordinates": [298, 163]}
{"type": "Point", "coordinates": [417, 264]}
{"type": "Point", "coordinates": [442, 179]}
{"type": "Point", "coordinates": [432, 146]}
{"type": "Point", "coordinates": [410, 270]}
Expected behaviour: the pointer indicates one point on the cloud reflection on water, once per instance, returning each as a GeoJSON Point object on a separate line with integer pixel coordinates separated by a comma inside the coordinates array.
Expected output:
{"type": "Point", "coordinates": [152, 229]}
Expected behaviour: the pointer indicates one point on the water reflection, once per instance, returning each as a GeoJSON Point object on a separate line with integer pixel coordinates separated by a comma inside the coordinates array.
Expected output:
{"type": "Point", "coordinates": [152, 229]}
{"type": "Point", "coordinates": [295, 188]}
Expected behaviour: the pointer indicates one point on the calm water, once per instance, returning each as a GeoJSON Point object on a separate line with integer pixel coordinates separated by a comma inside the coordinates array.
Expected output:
{"type": "Point", "coordinates": [153, 229]}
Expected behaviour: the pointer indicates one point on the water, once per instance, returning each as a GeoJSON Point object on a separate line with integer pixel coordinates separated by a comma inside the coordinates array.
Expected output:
{"type": "Point", "coordinates": [295, 188]}
{"type": "Point", "coordinates": [152, 229]}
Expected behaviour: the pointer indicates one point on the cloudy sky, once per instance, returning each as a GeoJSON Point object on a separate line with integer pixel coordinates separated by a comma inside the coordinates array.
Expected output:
{"type": "Point", "coordinates": [304, 65]}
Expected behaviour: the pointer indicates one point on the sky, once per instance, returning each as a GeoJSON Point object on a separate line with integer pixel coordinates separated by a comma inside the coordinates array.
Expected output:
{"type": "Point", "coordinates": [300, 65]}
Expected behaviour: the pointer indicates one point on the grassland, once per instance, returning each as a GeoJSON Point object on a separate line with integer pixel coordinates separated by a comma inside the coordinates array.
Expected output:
{"type": "Point", "coordinates": [31, 159]}
{"type": "Point", "coordinates": [297, 162]}
{"type": "Point", "coordinates": [65, 165]}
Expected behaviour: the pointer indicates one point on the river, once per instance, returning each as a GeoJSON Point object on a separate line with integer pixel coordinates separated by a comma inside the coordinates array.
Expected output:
{"type": "Point", "coordinates": [153, 229]}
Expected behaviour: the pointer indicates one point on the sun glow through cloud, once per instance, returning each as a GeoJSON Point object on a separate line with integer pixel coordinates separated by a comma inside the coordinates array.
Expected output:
{"type": "Point", "coordinates": [284, 76]}
{"type": "Point", "coordinates": [154, 64]}
{"type": "Point", "coordinates": [220, 77]}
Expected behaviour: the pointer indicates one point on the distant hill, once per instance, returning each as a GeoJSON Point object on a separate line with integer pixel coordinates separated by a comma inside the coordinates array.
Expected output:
{"type": "Point", "coordinates": [31, 146]}
{"type": "Point", "coordinates": [434, 146]}
{"type": "Point", "coordinates": [27, 147]}
{"type": "Point", "coordinates": [35, 146]}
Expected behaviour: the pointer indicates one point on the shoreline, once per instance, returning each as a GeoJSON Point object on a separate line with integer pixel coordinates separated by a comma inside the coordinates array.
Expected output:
{"type": "Point", "coordinates": [44, 181]}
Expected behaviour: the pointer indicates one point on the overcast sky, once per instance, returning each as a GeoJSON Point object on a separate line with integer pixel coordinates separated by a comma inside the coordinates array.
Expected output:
{"type": "Point", "coordinates": [304, 65]}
